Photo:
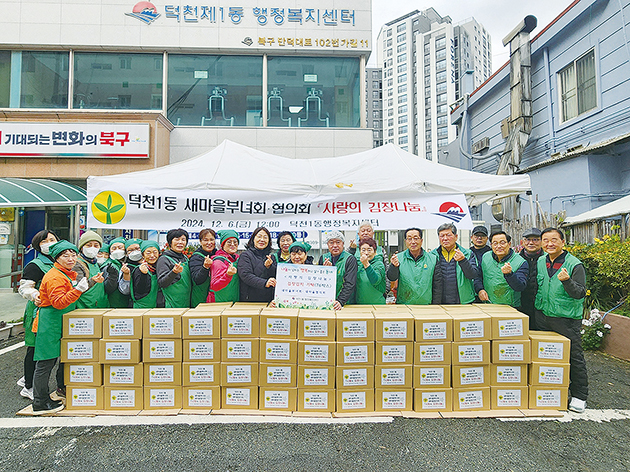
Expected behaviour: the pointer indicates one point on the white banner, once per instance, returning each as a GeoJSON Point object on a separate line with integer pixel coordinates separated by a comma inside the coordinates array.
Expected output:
{"type": "Point", "coordinates": [243, 211]}
{"type": "Point", "coordinates": [102, 140]}
{"type": "Point", "coordinates": [305, 286]}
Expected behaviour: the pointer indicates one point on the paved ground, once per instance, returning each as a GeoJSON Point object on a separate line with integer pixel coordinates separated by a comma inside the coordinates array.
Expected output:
{"type": "Point", "coordinates": [11, 306]}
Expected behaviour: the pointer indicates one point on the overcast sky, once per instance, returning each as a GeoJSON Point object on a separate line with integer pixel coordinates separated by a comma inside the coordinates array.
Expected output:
{"type": "Point", "coordinates": [499, 17]}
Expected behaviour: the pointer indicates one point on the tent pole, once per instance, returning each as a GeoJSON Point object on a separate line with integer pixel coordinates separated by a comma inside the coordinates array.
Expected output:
{"type": "Point", "coordinates": [531, 208]}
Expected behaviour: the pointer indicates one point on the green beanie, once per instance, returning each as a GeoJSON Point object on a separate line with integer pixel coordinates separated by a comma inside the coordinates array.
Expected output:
{"type": "Point", "coordinates": [226, 234]}
{"type": "Point", "coordinates": [131, 241]}
{"type": "Point", "coordinates": [114, 241]}
{"type": "Point", "coordinates": [104, 248]}
{"type": "Point", "coordinates": [301, 245]}
{"type": "Point", "coordinates": [59, 247]}
{"type": "Point", "coordinates": [147, 244]}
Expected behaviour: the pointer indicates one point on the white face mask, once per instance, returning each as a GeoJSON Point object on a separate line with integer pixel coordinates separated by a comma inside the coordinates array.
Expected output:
{"type": "Point", "coordinates": [90, 252]}
{"type": "Point", "coordinates": [44, 248]}
{"type": "Point", "coordinates": [100, 260]}
{"type": "Point", "coordinates": [135, 256]}
{"type": "Point", "coordinates": [117, 254]}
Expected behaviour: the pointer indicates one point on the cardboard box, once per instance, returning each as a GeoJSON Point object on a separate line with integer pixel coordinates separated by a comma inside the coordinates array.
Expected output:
{"type": "Point", "coordinates": [394, 326]}
{"type": "Point", "coordinates": [239, 374]}
{"type": "Point", "coordinates": [355, 326]}
{"type": "Point", "coordinates": [201, 398]}
{"type": "Point", "coordinates": [392, 352]}
{"type": "Point", "coordinates": [355, 353]}
{"type": "Point", "coordinates": [392, 399]}
{"type": "Point", "coordinates": [355, 377]}
{"type": "Point", "coordinates": [216, 307]}
{"type": "Point", "coordinates": [255, 307]}
{"type": "Point", "coordinates": [433, 326]}
{"type": "Point", "coordinates": [471, 327]}
{"type": "Point", "coordinates": [550, 347]}
{"type": "Point", "coordinates": [123, 398]}
{"type": "Point", "coordinates": [548, 397]}
{"type": "Point", "coordinates": [471, 399]}
{"type": "Point", "coordinates": [463, 309]}
{"type": "Point", "coordinates": [317, 352]}
{"type": "Point", "coordinates": [79, 350]}
{"type": "Point", "coordinates": [431, 376]}
{"type": "Point", "coordinates": [201, 374]}
{"type": "Point", "coordinates": [84, 398]}
{"type": "Point", "coordinates": [516, 351]}
{"type": "Point", "coordinates": [162, 323]}
{"type": "Point", "coordinates": [123, 323]}
{"type": "Point", "coordinates": [199, 325]}
{"type": "Point", "coordinates": [465, 376]}
{"type": "Point", "coordinates": [433, 399]}
{"type": "Point", "coordinates": [277, 375]}
{"type": "Point", "coordinates": [316, 376]}
{"type": "Point", "coordinates": [162, 398]}
{"type": "Point", "coordinates": [432, 353]}
{"type": "Point", "coordinates": [283, 351]}
{"type": "Point", "coordinates": [239, 324]}
{"type": "Point", "coordinates": [277, 399]}
{"type": "Point", "coordinates": [90, 374]}
{"type": "Point", "coordinates": [123, 375]}
{"type": "Point", "coordinates": [201, 350]}
{"type": "Point", "coordinates": [119, 351]}
{"type": "Point", "coordinates": [394, 376]}
{"type": "Point", "coordinates": [506, 375]}
{"type": "Point", "coordinates": [508, 325]}
{"type": "Point", "coordinates": [317, 325]}
{"type": "Point", "coordinates": [355, 400]}
{"type": "Point", "coordinates": [491, 309]}
{"type": "Point", "coordinates": [162, 350]}
{"type": "Point", "coordinates": [162, 374]}
{"type": "Point", "coordinates": [279, 323]}
{"type": "Point", "coordinates": [316, 400]}
{"type": "Point", "coordinates": [239, 398]}
{"type": "Point", "coordinates": [542, 373]}
{"type": "Point", "coordinates": [471, 352]}
{"type": "Point", "coordinates": [240, 350]}
{"type": "Point", "coordinates": [83, 324]}
{"type": "Point", "coordinates": [509, 398]}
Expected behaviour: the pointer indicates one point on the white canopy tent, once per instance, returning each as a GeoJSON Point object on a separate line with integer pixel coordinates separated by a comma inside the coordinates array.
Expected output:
{"type": "Point", "coordinates": [615, 208]}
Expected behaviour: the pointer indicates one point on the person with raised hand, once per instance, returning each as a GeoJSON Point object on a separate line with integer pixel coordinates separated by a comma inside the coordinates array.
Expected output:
{"type": "Point", "coordinates": [99, 281]}
{"type": "Point", "coordinates": [173, 271]}
{"type": "Point", "coordinates": [347, 268]}
{"type": "Point", "coordinates": [201, 266]}
{"type": "Point", "coordinates": [224, 283]}
{"type": "Point", "coordinates": [371, 275]}
{"type": "Point", "coordinates": [145, 291]}
{"type": "Point", "coordinates": [257, 269]}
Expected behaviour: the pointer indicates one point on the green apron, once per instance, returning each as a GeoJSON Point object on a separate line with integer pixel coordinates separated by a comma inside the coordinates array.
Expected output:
{"type": "Point", "coordinates": [94, 297]}
{"type": "Point", "coordinates": [45, 265]}
{"type": "Point", "coordinates": [49, 331]}
{"type": "Point", "coordinates": [494, 283]}
{"type": "Point", "coordinates": [177, 295]}
{"type": "Point", "coordinates": [229, 293]}
{"type": "Point", "coordinates": [117, 299]}
{"type": "Point", "coordinates": [415, 280]}
{"type": "Point", "coordinates": [199, 292]}
{"type": "Point", "coordinates": [368, 294]}
{"type": "Point", "coordinates": [149, 300]}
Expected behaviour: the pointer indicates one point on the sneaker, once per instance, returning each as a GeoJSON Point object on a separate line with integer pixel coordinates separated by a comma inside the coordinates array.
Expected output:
{"type": "Point", "coordinates": [61, 391]}
{"type": "Point", "coordinates": [21, 382]}
{"type": "Point", "coordinates": [27, 393]}
{"type": "Point", "coordinates": [577, 405]}
{"type": "Point", "coordinates": [47, 408]}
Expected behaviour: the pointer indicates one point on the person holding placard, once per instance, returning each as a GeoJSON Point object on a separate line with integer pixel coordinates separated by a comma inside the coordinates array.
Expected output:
{"type": "Point", "coordinates": [299, 253]}
{"type": "Point", "coordinates": [347, 269]}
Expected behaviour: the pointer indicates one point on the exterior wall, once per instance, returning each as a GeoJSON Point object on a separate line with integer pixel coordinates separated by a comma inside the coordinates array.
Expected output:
{"type": "Point", "coordinates": [374, 103]}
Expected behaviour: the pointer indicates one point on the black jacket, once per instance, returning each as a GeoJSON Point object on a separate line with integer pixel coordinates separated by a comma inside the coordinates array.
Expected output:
{"type": "Point", "coordinates": [253, 275]}
{"type": "Point", "coordinates": [198, 273]}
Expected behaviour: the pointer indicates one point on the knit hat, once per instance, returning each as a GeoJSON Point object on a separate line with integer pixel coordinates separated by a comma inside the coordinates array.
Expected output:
{"type": "Point", "coordinates": [114, 241]}
{"type": "Point", "coordinates": [226, 234]}
{"type": "Point", "coordinates": [131, 241]}
{"type": "Point", "coordinates": [300, 245]}
{"type": "Point", "coordinates": [147, 244]}
{"type": "Point", "coordinates": [89, 236]}
{"type": "Point", "coordinates": [335, 235]}
{"type": "Point", "coordinates": [59, 247]}
{"type": "Point", "coordinates": [104, 248]}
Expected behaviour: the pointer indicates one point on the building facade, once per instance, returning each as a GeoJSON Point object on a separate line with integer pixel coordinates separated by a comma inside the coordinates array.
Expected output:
{"type": "Point", "coordinates": [374, 103]}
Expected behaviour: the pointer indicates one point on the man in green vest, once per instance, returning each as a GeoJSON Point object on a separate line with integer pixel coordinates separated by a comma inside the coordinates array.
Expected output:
{"type": "Point", "coordinates": [419, 283]}
{"type": "Point", "coordinates": [560, 306]}
{"type": "Point", "coordinates": [502, 273]}
{"type": "Point", "coordinates": [347, 268]}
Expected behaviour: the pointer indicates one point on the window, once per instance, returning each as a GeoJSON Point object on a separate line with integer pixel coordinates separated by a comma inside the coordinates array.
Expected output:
{"type": "Point", "coordinates": [427, 80]}
{"type": "Point", "coordinates": [390, 133]}
{"type": "Point", "coordinates": [403, 129]}
{"type": "Point", "coordinates": [401, 48]}
{"type": "Point", "coordinates": [442, 120]}
{"type": "Point", "coordinates": [390, 52]}
{"type": "Point", "coordinates": [441, 132]}
{"type": "Point", "coordinates": [403, 140]}
{"type": "Point", "coordinates": [376, 84]}
{"type": "Point", "coordinates": [442, 142]}
{"type": "Point", "coordinates": [389, 42]}
{"type": "Point", "coordinates": [402, 119]}
{"type": "Point", "coordinates": [440, 43]}
{"type": "Point", "coordinates": [427, 48]}
{"type": "Point", "coordinates": [402, 68]}
{"type": "Point", "coordinates": [402, 98]}
{"type": "Point", "coordinates": [5, 78]}
{"type": "Point", "coordinates": [376, 114]}
{"type": "Point", "coordinates": [440, 76]}
{"type": "Point", "coordinates": [390, 122]}
{"type": "Point", "coordinates": [402, 78]}
{"type": "Point", "coordinates": [441, 88]}
{"type": "Point", "coordinates": [441, 98]}
{"type": "Point", "coordinates": [402, 88]}
{"type": "Point", "coordinates": [578, 87]}
{"type": "Point", "coordinates": [401, 37]}
{"type": "Point", "coordinates": [390, 82]}
{"type": "Point", "coordinates": [401, 58]}
{"type": "Point", "coordinates": [376, 94]}
{"type": "Point", "coordinates": [44, 80]}
{"type": "Point", "coordinates": [441, 54]}
{"type": "Point", "coordinates": [390, 112]}
{"type": "Point", "coordinates": [375, 104]}
{"type": "Point", "coordinates": [390, 92]}
{"type": "Point", "coordinates": [402, 27]}
{"type": "Point", "coordinates": [442, 108]}
{"type": "Point", "coordinates": [375, 74]}
{"type": "Point", "coordinates": [440, 65]}
{"type": "Point", "coordinates": [402, 109]}
{"type": "Point", "coordinates": [428, 145]}
{"type": "Point", "coordinates": [389, 33]}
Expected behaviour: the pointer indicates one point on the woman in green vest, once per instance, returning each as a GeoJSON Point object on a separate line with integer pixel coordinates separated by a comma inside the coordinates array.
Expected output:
{"type": "Point", "coordinates": [371, 275]}
{"type": "Point", "coordinates": [95, 297]}
{"type": "Point", "coordinates": [145, 291]}
{"type": "Point", "coordinates": [285, 239]}
{"type": "Point", "coordinates": [173, 272]}
{"type": "Point", "coordinates": [32, 276]}
{"type": "Point", "coordinates": [114, 268]}
{"type": "Point", "coordinates": [201, 265]}
{"type": "Point", "coordinates": [224, 283]}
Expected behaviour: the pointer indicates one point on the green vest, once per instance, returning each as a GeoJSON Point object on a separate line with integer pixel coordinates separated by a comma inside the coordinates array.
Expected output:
{"type": "Point", "coordinates": [499, 292]}
{"type": "Point", "coordinates": [94, 297]}
{"type": "Point", "coordinates": [45, 265]}
{"type": "Point", "coordinates": [229, 293]}
{"type": "Point", "coordinates": [280, 260]}
{"type": "Point", "coordinates": [117, 299]}
{"type": "Point", "coordinates": [552, 299]}
{"type": "Point", "coordinates": [368, 294]}
{"type": "Point", "coordinates": [199, 293]}
{"type": "Point", "coordinates": [150, 299]}
{"type": "Point", "coordinates": [415, 282]}
{"type": "Point", "coordinates": [380, 253]}
{"type": "Point", "coordinates": [465, 286]}
{"type": "Point", "coordinates": [341, 272]}
{"type": "Point", "coordinates": [177, 295]}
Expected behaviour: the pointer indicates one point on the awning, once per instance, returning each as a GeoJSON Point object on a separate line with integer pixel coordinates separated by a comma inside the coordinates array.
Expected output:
{"type": "Point", "coordinates": [39, 192]}
{"type": "Point", "coordinates": [615, 208]}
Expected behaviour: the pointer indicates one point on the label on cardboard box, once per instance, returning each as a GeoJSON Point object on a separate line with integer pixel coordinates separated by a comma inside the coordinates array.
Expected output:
{"type": "Point", "coordinates": [239, 374]}
{"type": "Point", "coordinates": [162, 349]}
{"type": "Point", "coordinates": [550, 374]}
{"type": "Point", "coordinates": [355, 329]}
{"type": "Point", "coordinates": [201, 350]}
{"type": "Point", "coordinates": [395, 353]}
{"type": "Point", "coordinates": [201, 373]}
{"type": "Point", "coordinates": [434, 331]}
{"type": "Point", "coordinates": [394, 400]}
{"type": "Point", "coordinates": [509, 397]}
{"type": "Point", "coordinates": [355, 377]}
{"type": "Point", "coordinates": [278, 327]}
{"type": "Point", "coordinates": [239, 349]}
{"type": "Point", "coordinates": [80, 350]}
{"type": "Point", "coordinates": [432, 376]}
{"type": "Point", "coordinates": [315, 328]}
{"type": "Point", "coordinates": [471, 375]}
{"type": "Point", "coordinates": [512, 352]}
{"type": "Point", "coordinates": [470, 353]}
{"type": "Point", "coordinates": [548, 398]}
{"type": "Point", "coordinates": [122, 374]}
{"type": "Point", "coordinates": [472, 399]}
{"type": "Point", "coordinates": [161, 373]}
{"type": "Point", "coordinates": [353, 400]}
{"type": "Point", "coordinates": [237, 396]}
{"type": "Point", "coordinates": [81, 374]}
{"type": "Point", "coordinates": [395, 329]}
{"type": "Point", "coordinates": [122, 398]}
{"type": "Point", "coordinates": [161, 326]}
{"type": "Point", "coordinates": [547, 350]}
{"type": "Point", "coordinates": [471, 329]}
{"type": "Point", "coordinates": [121, 327]}
{"type": "Point", "coordinates": [509, 373]}
{"type": "Point", "coordinates": [279, 374]}
{"type": "Point", "coordinates": [355, 354]}
{"type": "Point", "coordinates": [200, 327]}
{"type": "Point", "coordinates": [200, 398]}
{"type": "Point", "coordinates": [510, 328]}
{"type": "Point", "coordinates": [393, 376]}
{"type": "Point", "coordinates": [81, 327]}
{"type": "Point", "coordinates": [162, 397]}
{"type": "Point", "coordinates": [316, 377]}
{"type": "Point", "coordinates": [315, 353]}
{"type": "Point", "coordinates": [316, 400]}
{"type": "Point", "coordinates": [242, 326]}
{"type": "Point", "coordinates": [84, 397]}
{"type": "Point", "coordinates": [434, 400]}
{"type": "Point", "coordinates": [276, 399]}
{"type": "Point", "coordinates": [432, 353]}
{"type": "Point", "coordinates": [117, 351]}
{"type": "Point", "coordinates": [277, 351]}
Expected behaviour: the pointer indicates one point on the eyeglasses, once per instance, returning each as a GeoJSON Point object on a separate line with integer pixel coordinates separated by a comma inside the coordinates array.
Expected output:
{"type": "Point", "coordinates": [413, 238]}
{"type": "Point", "coordinates": [532, 240]}
{"type": "Point", "coordinates": [500, 243]}
{"type": "Point", "coordinates": [231, 242]}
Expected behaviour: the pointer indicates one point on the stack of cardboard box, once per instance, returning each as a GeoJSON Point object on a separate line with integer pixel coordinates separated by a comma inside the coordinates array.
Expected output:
{"type": "Point", "coordinates": [549, 370]}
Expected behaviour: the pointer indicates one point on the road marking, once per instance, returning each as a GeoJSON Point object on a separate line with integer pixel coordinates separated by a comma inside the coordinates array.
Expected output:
{"type": "Point", "coordinates": [12, 348]}
{"type": "Point", "coordinates": [598, 416]}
